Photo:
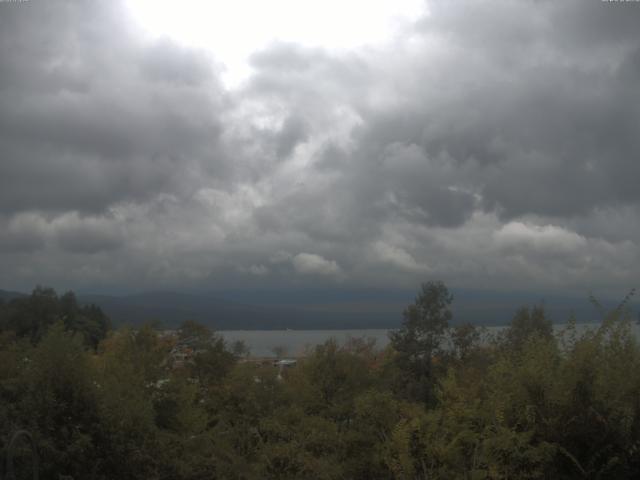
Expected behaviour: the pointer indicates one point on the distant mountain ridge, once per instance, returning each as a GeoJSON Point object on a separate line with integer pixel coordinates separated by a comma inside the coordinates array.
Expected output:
{"type": "Point", "coordinates": [306, 310]}
{"type": "Point", "coordinates": [7, 295]}
{"type": "Point", "coordinates": [171, 308]}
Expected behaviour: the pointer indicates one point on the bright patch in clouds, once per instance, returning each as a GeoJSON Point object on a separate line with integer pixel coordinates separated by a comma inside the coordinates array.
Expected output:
{"type": "Point", "coordinates": [546, 237]}
{"type": "Point", "coordinates": [398, 257]}
{"type": "Point", "coordinates": [233, 30]}
{"type": "Point", "coordinates": [312, 264]}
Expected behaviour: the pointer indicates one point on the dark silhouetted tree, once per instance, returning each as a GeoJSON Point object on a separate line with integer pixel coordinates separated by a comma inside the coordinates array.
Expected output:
{"type": "Point", "coordinates": [526, 323]}
{"type": "Point", "coordinates": [419, 340]}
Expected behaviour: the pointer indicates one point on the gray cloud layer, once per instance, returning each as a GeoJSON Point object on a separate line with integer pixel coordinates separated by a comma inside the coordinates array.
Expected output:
{"type": "Point", "coordinates": [491, 144]}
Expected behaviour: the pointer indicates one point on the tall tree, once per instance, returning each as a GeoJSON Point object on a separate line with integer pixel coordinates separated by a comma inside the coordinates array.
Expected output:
{"type": "Point", "coordinates": [525, 324]}
{"type": "Point", "coordinates": [420, 338]}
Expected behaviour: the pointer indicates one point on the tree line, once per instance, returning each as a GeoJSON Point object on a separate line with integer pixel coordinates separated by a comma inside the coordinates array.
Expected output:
{"type": "Point", "coordinates": [440, 402]}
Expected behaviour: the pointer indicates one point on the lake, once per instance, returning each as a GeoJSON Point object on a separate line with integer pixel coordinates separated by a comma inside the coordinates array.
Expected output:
{"type": "Point", "coordinates": [263, 342]}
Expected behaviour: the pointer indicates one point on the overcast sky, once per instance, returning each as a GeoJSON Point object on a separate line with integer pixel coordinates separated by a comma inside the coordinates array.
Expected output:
{"type": "Point", "coordinates": [491, 144]}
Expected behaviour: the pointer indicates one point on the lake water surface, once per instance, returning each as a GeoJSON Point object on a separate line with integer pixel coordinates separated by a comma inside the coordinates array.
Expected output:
{"type": "Point", "coordinates": [263, 342]}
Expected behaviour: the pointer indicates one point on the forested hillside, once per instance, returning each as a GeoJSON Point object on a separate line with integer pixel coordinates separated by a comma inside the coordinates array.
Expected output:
{"type": "Point", "coordinates": [439, 402]}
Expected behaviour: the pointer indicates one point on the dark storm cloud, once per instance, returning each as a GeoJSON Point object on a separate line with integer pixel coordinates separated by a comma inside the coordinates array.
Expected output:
{"type": "Point", "coordinates": [91, 113]}
{"type": "Point", "coordinates": [540, 94]}
{"type": "Point", "coordinates": [518, 101]}
{"type": "Point", "coordinates": [87, 235]}
{"type": "Point", "coordinates": [491, 143]}
{"type": "Point", "coordinates": [524, 110]}
{"type": "Point", "coordinates": [384, 173]}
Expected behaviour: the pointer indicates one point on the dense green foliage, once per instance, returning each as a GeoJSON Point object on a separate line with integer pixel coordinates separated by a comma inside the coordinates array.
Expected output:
{"type": "Point", "coordinates": [30, 317]}
{"type": "Point", "coordinates": [438, 403]}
